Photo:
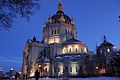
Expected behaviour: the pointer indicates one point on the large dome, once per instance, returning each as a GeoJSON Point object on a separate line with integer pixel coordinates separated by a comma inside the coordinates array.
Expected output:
{"type": "Point", "coordinates": [60, 15]}
{"type": "Point", "coordinates": [56, 17]}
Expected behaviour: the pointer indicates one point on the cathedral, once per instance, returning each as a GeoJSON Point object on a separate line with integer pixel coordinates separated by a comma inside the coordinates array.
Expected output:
{"type": "Point", "coordinates": [60, 53]}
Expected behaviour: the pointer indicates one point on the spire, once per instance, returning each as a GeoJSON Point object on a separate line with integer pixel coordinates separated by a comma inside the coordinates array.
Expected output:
{"type": "Point", "coordinates": [104, 38]}
{"type": "Point", "coordinates": [59, 6]}
{"type": "Point", "coordinates": [34, 38]}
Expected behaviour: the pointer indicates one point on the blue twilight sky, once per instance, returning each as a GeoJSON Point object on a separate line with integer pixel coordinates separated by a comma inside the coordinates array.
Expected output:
{"type": "Point", "coordinates": [93, 19]}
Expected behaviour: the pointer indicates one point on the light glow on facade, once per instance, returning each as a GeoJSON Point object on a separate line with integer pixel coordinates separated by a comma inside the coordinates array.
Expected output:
{"type": "Point", "coordinates": [54, 40]}
{"type": "Point", "coordinates": [75, 48]}
{"type": "Point", "coordinates": [102, 71]}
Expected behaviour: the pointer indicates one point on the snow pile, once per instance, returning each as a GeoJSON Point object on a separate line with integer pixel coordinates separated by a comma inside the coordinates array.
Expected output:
{"type": "Point", "coordinates": [97, 78]}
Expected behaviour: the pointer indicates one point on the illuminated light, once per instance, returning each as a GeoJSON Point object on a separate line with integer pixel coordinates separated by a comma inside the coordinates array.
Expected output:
{"type": "Point", "coordinates": [57, 40]}
{"type": "Point", "coordinates": [13, 76]}
{"type": "Point", "coordinates": [45, 24]}
{"type": "Point", "coordinates": [54, 40]}
{"type": "Point", "coordinates": [75, 48]}
{"type": "Point", "coordinates": [62, 18]}
{"type": "Point", "coordinates": [100, 51]}
{"type": "Point", "coordinates": [60, 70]}
{"type": "Point", "coordinates": [20, 72]}
{"type": "Point", "coordinates": [72, 21]}
{"type": "Point", "coordinates": [46, 40]}
{"type": "Point", "coordinates": [85, 50]}
{"type": "Point", "coordinates": [96, 67]}
{"type": "Point", "coordinates": [73, 67]}
{"type": "Point", "coordinates": [51, 41]}
{"type": "Point", "coordinates": [102, 71]}
{"type": "Point", "coordinates": [11, 69]}
{"type": "Point", "coordinates": [50, 20]}
{"type": "Point", "coordinates": [64, 50]}
{"type": "Point", "coordinates": [108, 50]}
{"type": "Point", "coordinates": [39, 65]}
{"type": "Point", "coordinates": [70, 49]}
{"type": "Point", "coordinates": [41, 73]}
{"type": "Point", "coordinates": [114, 47]}
{"type": "Point", "coordinates": [32, 74]}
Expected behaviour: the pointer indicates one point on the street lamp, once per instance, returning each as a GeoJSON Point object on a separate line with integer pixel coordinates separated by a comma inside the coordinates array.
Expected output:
{"type": "Point", "coordinates": [97, 69]}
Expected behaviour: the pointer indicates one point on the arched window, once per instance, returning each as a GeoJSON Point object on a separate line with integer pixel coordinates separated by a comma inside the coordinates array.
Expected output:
{"type": "Point", "coordinates": [65, 50]}
{"type": "Point", "coordinates": [65, 69]}
{"type": "Point", "coordinates": [52, 31]}
{"type": "Point", "coordinates": [66, 31]}
{"type": "Point", "coordinates": [45, 69]}
{"type": "Point", "coordinates": [100, 51]}
{"type": "Point", "coordinates": [76, 50]}
{"type": "Point", "coordinates": [54, 39]}
{"type": "Point", "coordinates": [82, 50]}
{"type": "Point", "coordinates": [70, 50]}
{"type": "Point", "coordinates": [76, 69]}
{"type": "Point", "coordinates": [57, 31]}
{"type": "Point", "coordinates": [58, 69]}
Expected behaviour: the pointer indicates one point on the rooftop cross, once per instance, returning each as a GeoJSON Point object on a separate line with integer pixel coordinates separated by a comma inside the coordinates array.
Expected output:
{"type": "Point", "coordinates": [104, 38]}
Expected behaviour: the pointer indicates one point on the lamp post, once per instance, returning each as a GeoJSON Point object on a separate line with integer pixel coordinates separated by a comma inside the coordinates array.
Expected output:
{"type": "Point", "coordinates": [97, 69]}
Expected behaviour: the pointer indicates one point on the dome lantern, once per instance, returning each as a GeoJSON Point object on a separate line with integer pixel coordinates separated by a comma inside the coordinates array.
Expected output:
{"type": "Point", "coordinates": [105, 39]}
{"type": "Point", "coordinates": [59, 7]}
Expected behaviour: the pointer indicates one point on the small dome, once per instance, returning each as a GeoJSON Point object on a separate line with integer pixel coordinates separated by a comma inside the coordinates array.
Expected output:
{"type": "Point", "coordinates": [105, 43]}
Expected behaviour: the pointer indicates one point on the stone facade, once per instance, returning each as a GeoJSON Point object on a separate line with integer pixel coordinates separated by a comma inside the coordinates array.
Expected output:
{"type": "Point", "coordinates": [60, 53]}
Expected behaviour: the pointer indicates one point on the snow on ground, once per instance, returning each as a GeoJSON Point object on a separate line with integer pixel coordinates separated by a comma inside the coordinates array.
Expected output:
{"type": "Point", "coordinates": [96, 78]}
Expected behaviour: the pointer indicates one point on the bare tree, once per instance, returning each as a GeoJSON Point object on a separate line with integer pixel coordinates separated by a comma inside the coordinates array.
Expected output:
{"type": "Point", "coordinates": [10, 9]}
